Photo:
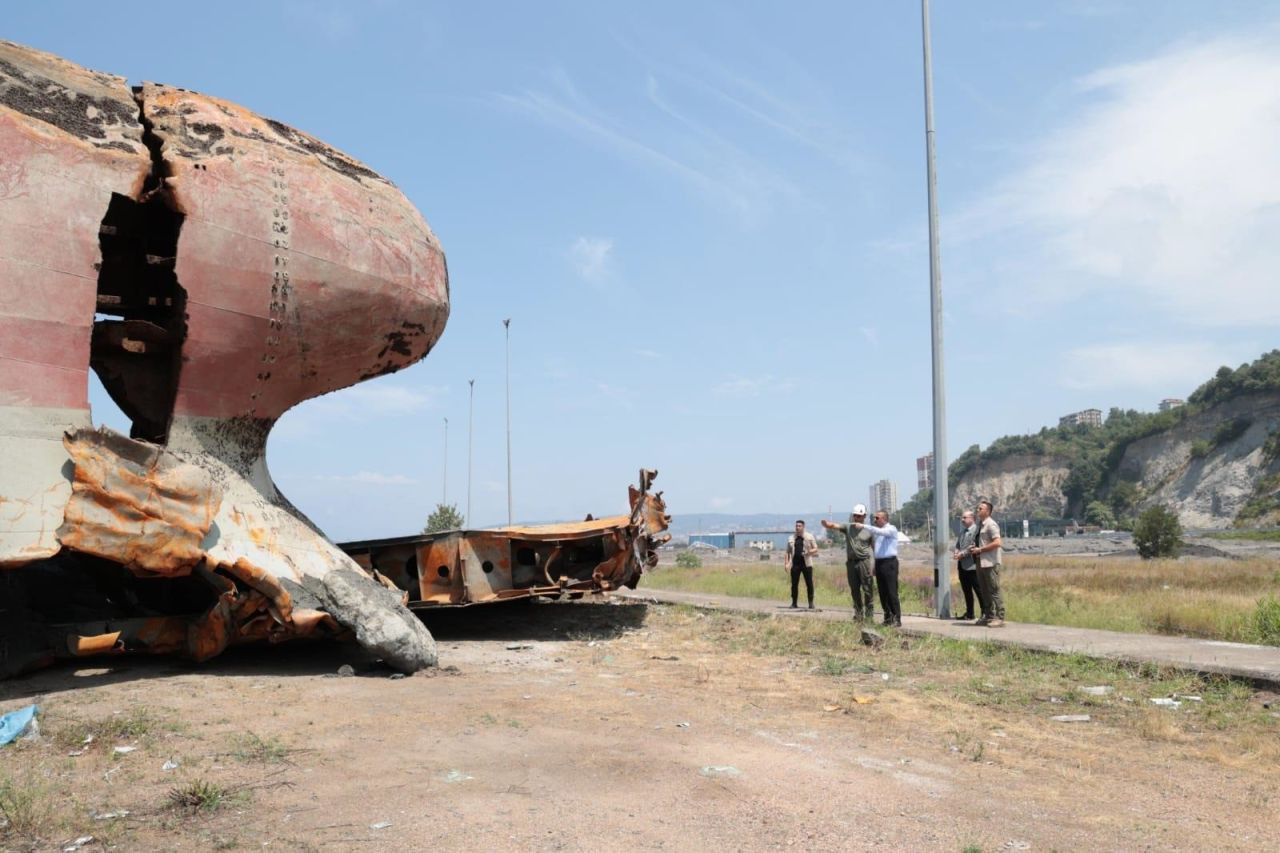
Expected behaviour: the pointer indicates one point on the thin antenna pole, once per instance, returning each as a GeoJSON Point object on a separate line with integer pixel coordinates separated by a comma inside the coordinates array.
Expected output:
{"type": "Point", "coordinates": [506, 324]}
{"type": "Point", "coordinates": [471, 420]}
{"type": "Point", "coordinates": [941, 510]}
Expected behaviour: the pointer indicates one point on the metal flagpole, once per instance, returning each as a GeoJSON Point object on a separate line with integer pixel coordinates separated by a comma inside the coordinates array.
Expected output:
{"type": "Point", "coordinates": [471, 420]}
{"type": "Point", "coordinates": [506, 324]}
{"type": "Point", "coordinates": [941, 510]}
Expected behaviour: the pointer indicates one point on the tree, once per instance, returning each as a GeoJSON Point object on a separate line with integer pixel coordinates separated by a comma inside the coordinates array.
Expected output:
{"type": "Point", "coordinates": [1158, 533]}
{"type": "Point", "coordinates": [688, 560]}
{"type": "Point", "coordinates": [445, 517]}
{"type": "Point", "coordinates": [1100, 514]}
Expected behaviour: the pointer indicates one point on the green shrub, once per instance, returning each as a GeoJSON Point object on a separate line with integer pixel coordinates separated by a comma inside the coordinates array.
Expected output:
{"type": "Point", "coordinates": [1271, 447]}
{"type": "Point", "coordinates": [1158, 533]}
{"type": "Point", "coordinates": [1200, 448]}
{"type": "Point", "coordinates": [1266, 621]}
{"type": "Point", "coordinates": [1100, 514]}
{"type": "Point", "coordinates": [688, 560]}
{"type": "Point", "coordinates": [1229, 431]}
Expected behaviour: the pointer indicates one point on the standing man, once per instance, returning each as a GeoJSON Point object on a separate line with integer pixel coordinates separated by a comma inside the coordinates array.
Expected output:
{"type": "Point", "coordinates": [967, 566]}
{"type": "Point", "coordinates": [858, 564]}
{"type": "Point", "coordinates": [802, 548]}
{"type": "Point", "coordinates": [989, 554]}
{"type": "Point", "coordinates": [886, 555]}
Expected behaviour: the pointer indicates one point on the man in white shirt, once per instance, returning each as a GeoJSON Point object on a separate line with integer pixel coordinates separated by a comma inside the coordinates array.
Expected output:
{"type": "Point", "coordinates": [886, 566]}
{"type": "Point", "coordinates": [802, 549]}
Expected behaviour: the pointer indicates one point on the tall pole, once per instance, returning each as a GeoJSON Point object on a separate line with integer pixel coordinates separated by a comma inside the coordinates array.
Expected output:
{"type": "Point", "coordinates": [471, 420]}
{"type": "Point", "coordinates": [941, 510]}
{"type": "Point", "coordinates": [444, 492]}
{"type": "Point", "coordinates": [506, 324]}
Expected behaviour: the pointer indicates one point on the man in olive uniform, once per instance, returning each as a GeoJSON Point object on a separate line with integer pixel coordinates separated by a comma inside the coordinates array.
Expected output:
{"type": "Point", "coordinates": [858, 564]}
{"type": "Point", "coordinates": [988, 552]}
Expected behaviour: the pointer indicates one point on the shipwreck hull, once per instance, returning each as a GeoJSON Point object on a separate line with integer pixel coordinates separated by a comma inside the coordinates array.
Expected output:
{"type": "Point", "coordinates": [214, 268]}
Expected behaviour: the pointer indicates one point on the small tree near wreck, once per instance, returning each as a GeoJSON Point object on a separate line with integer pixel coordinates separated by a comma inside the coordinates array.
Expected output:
{"type": "Point", "coordinates": [444, 517]}
{"type": "Point", "coordinates": [1157, 533]}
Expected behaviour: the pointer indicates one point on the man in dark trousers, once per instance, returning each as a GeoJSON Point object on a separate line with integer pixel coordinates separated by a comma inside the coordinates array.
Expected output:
{"type": "Point", "coordinates": [802, 548]}
{"type": "Point", "coordinates": [967, 566]}
{"type": "Point", "coordinates": [858, 564]}
{"type": "Point", "coordinates": [886, 566]}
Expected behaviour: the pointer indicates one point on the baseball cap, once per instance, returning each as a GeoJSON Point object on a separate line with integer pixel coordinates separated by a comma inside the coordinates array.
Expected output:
{"type": "Point", "coordinates": [859, 509]}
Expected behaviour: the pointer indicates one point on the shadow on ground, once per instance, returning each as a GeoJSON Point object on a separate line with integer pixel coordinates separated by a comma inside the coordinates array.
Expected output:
{"type": "Point", "coordinates": [536, 620]}
{"type": "Point", "coordinates": [518, 620]}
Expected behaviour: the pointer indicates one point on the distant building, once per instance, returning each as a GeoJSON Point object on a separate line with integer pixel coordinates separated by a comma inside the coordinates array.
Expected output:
{"type": "Point", "coordinates": [924, 471]}
{"type": "Point", "coordinates": [1089, 417]}
{"type": "Point", "coordinates": [1171, 403]}
{"type": "Point", "coordinates": [883, 496]}
{"type": "Point", "coordinates": [763, 540]}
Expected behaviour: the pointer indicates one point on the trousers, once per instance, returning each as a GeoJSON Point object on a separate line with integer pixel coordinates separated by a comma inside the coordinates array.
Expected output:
{"type": "Point", "coordinates": [989, 587]}
{"type": "Point", "coordinates": [861, 575]}
{"type": "Point", "coordinates": [969, 586]}
{"type": "Point", "coordinates": [887, 582]}
{"type": "Point", "coordinates": [796, 572]}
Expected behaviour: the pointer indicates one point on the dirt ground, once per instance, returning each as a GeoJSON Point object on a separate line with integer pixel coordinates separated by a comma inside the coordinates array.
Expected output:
{"type": "Point", "coordinates": [596, 727]}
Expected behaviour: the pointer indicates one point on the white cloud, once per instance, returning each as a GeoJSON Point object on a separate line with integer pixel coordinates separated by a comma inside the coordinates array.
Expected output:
{"type": "Point", "coordinates": [871, 334]}
{"type": "Point", "coordinates": [592, 258]}
{"type": "Point", "coordinates": [1164, 367]}
{"type": "Point", "coordinates": [721, 503]}
{"type": "Point", "coordinates": [377, 398]}
{"type": "Point", "coordinates": [622, 397]}
{"type": "Point", "coordinates": [753, 386]}
{"type": "Point", "coordinates": [1166, 190]}
{"type": "Point", "coordinates": [370, 478]}
{"type": "Point", "coordinates": [656, 135]}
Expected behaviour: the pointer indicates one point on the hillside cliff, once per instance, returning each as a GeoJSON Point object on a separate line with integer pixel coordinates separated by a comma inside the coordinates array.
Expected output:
{"type": "Point", "coordinates": [1215, 462]}
{"type": "Point", "coordinates": [1207, 489]}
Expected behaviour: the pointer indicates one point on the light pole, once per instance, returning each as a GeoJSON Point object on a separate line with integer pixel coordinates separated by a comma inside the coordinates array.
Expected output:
{"type": "Point", "coordinates": [444, 495]}
{"type": "Point", "coordinates": [506, 324]}
{"type": "Point", "coordinates": [471, 419]}
{"type": "Point", "coordinates": [941, 526]}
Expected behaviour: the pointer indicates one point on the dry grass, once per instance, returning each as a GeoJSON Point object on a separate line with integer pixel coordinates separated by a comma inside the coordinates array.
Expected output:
{"type": "Point", "coordinates": [959, 692]}
{"type": "Point", "coordinates": [1213, 599]}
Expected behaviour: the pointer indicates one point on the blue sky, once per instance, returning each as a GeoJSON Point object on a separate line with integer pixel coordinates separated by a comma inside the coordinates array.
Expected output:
{"type": "Point", "coordinates": [708, 225]}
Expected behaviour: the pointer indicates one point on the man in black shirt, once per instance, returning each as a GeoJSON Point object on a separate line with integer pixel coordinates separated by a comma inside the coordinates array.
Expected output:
{"type": "Point", "coordinates": [801, 550]}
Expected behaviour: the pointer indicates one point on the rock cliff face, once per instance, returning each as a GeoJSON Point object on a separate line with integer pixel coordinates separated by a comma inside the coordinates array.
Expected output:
{"type": "Point", "coordinates": [1021, 486]}
{"type": "Point", "coordinates": [1209, 491]}
{"type": "Point", "coordinates": [1207, 487]}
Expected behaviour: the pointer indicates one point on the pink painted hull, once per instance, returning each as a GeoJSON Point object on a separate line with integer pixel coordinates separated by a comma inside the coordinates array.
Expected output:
{"type": "Point", "coordinates": [239, 267]}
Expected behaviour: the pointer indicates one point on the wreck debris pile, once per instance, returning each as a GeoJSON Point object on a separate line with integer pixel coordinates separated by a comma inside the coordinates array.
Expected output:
{"type": "Point", "coordinates": [464, 567]}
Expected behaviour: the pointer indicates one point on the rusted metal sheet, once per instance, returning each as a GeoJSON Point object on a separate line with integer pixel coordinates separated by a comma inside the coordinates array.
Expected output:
{"type": "Point", "coordinates": [135, 504]}
{"type": "Point", "coordinates": [466, 567]}
{"type": "Point", "coordinates": [214, 268]}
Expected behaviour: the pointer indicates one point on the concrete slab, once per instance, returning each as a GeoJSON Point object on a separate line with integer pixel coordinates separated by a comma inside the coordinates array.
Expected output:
{"type": "Point", "coordinates": [1259, 664]}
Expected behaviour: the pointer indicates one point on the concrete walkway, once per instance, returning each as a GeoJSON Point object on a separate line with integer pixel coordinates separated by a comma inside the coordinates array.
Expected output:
{"type": "Point", "coordinates": [1260, 664]}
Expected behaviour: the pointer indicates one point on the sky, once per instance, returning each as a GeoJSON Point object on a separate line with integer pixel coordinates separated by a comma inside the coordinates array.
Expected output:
{"type": "Point", "coordinates": [708, 225]}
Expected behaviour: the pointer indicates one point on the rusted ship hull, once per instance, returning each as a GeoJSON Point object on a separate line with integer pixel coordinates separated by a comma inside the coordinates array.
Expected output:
{"type": "Point", "coordinates": [466, 567]}
{"type": "Point", "coordinates": [214, 268]}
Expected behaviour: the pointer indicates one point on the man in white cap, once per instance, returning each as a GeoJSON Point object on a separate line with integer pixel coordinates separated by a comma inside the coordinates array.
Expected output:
{"type": "Point", "coordinates": [858, 565]}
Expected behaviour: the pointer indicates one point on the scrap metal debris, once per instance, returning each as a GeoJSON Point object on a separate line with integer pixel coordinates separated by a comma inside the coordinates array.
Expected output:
{"type": "Point", "coordinates": [467, 567]}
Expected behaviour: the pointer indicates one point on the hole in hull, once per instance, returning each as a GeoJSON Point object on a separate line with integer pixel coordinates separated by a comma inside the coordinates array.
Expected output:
{"type": "Point", "coordinates": [140, 318]}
